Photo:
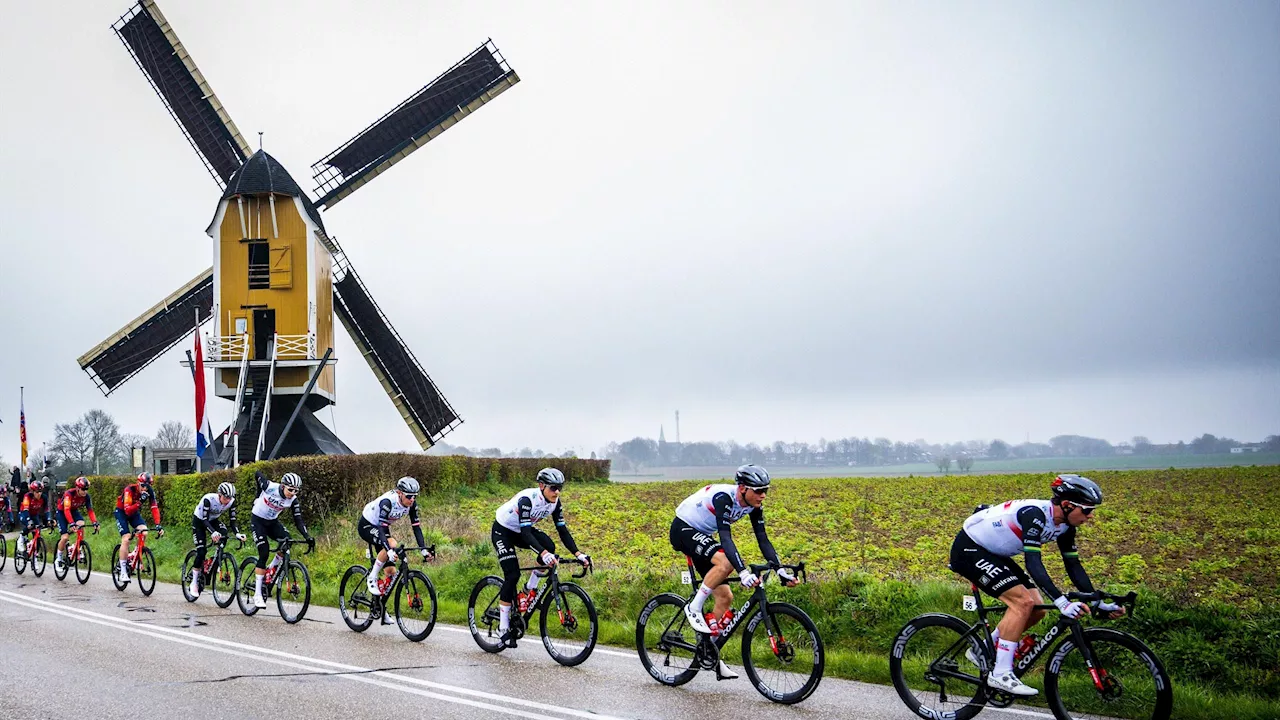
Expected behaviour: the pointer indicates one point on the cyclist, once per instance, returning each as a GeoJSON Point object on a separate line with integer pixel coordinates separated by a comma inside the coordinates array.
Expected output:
{"type": "Point", "coordinates": [513, 528]}
{"type": "Point", "coordinates": [701, 530]}
{"type": "Point", "coordinates": [68, 515]}
{"type": "Point", "coordinates": [129, 517]}
{"type": "Point", "coordinates": [374, 527]}
{"type": "Point", "coordinates": [34, 501]}
{"type": "Point", "coordinates": [273, 498]}
{"type": "Point", "coordinates": [206, 520]}
{"type": "Point", "coordinates": [983, 554]}
{"type": "Point", "coordinates": [17, 487]}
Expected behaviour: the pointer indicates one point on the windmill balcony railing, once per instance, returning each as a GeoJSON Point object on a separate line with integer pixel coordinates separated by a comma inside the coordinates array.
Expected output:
{"type": "Point", "coordinates": [225, 347]}
{"type": "Point", "coordinates": [231, 348]}
{"type": "Point", "coordinates": [296, 347]}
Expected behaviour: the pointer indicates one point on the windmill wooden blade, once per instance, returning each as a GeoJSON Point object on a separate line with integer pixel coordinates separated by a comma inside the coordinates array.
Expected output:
{"type": "Point", "coordinates": [459, 91]}
{"type": "Point", "coordinates": [426, 412]}
{"type": "Point", "coordinates": [183, 90]}
{"type": "Point", "coordinates": [134, 346]}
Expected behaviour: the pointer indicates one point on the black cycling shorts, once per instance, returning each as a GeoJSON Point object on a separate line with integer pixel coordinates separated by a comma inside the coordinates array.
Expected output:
{"type": "Point", "coordinates": [698, 545]}
{"type": "Point", "coordinates": [994, 574]}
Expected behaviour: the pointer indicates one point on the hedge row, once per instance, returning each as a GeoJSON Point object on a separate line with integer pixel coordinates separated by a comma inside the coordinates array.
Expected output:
{"type": "Point", "coordinates": [340, 483]}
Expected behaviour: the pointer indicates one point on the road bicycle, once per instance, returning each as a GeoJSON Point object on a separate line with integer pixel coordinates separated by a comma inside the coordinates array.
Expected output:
{"type": "Point", "coordinates": [219, 573]}
{"type": "Point", "coordinates": [4, 551]}
{"type": "Point", "coordinates": [415, 597]}
{"type": "Point", "coordinates": [79, 554]}
{"type": "Point", "coordinates": [292, 585]}
{"type": "Point", "coordinates": [33, 554]}
{"type": "Point", "coordinates": [1091, 672]}
{"type": "Point", "coordinates": [141, 564]}
{"type": "Point", "coordinates": [785, 662]}
{"type": "Point", "coordinates": [567, 618]}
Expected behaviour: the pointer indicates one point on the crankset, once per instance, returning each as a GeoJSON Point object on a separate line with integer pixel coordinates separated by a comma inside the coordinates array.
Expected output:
{"type": "Point", "coordinates": [707, 656]}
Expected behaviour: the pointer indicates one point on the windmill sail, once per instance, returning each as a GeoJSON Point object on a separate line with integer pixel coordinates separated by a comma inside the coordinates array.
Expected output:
{"type": "Point", "coordinates": [428, 415]}
{"type": "Point", "coordinates": [183, 90]}
{"type": "Point", "coordinates": [459, 91]}
{"type": "Point", "coordinates": [134, 346]}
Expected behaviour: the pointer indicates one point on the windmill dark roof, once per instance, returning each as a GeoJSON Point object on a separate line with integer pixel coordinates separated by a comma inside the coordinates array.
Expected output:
{"type": "Point", "coordinates": [262, 173]}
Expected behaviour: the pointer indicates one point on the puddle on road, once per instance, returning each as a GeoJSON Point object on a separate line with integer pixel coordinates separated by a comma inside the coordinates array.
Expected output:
{"type": "Point", "coordinates": [73, 598]}
{"type": "Point", "coordinates": [134, 608]}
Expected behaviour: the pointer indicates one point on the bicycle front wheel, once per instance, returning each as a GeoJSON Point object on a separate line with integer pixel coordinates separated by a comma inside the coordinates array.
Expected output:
{"type": "Point", "coordinates": [84, 563]}
{"type": "Point", "coordinates": [147, 571]}
{"type": "Point", "coordinates": [1130, 681]}
{"type": "Point", "coordinates": [668, 647]}
{"type": "Point", "coordinates": [188, 569]}
{"type": "Point", "coordinates": [38, 559]}
{"type": "Point", "coordinates": [293, 592]}
{"type": "Point", "coordinates": [224, 581]}
{"type": "Point", "coordinates": [483, 614]}
{"type": "Point", "coordinates": [4, 551]}
{"type": "Point", "coordinates": [783, 654]}
{"type": "Point", "coordinates": [931, 671]}
{"type": "Point", "coordinates": [415, 605]}
{"type": "Point", "coordinates": [568, 625]}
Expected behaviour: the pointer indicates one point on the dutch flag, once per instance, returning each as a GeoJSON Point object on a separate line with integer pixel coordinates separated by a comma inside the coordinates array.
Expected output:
{"type": "Point", "coordinates": [204, 432]}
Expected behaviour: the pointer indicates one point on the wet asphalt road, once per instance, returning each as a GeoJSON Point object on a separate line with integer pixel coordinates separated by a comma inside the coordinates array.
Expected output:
{"type": "Point", "coordinates": [96, 652]}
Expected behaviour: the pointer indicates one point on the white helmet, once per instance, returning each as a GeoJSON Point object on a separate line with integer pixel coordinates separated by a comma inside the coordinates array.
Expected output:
{"type": "Point", "coordinates": [226, 489]}
{"type": "Point", "coordinates": [291, 480]}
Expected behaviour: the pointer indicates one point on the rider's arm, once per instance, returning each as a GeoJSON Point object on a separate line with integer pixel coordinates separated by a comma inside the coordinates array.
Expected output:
{"type": "Point", "coordinates": [231, 515]}
{"type": "Point", "coordinates": [416, 524]}
{"type": "Point", "coordinates": [722, 504]}
{"type": "Point", "coordinates": [384, 524]}
{"type": "Point", "coordinates": [297, 520]}
{"type": "Point", "coordinates": [762, 539]}
{"type": "Point", "coordinates": [66, 506]}
{"type": "Point", "coordinates": [557, 516]}
{"type": "Point", "coordinates": [1032, 520]}
{"type": "Point", "coordinates": [524, 509]}
{"type": "Point", "coordinates": [88, 504]}
{"type": "Point", "coordinates": [1071, 559]}
{"type": "Point", "coordinates": [263, 481]}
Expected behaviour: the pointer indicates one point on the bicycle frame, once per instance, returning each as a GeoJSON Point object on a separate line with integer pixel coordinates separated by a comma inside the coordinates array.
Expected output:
{"type": "Point", "coordinates": [401, 566]}
{"type": "Point", "coordinates": [73, 552]}
{"type": "Point", "coordinates": [553, 585]}
{"type": "Point", "coordinates": [135, 557]}
{"type": "Point", "coordinates": [220, 548]}
{"type": "Point", "coordinates": [758, 598]}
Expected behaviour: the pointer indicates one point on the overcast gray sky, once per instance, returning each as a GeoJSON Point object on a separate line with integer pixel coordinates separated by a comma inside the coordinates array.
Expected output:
{"type": "Point", "coordinates": [786, 220]}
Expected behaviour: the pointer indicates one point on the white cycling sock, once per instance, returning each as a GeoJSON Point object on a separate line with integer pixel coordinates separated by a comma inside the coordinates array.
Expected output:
{"type": "Point", "coordinates": [534, 581]}
{"type": "Point", "coordinates": [258, 584]}
{"type": "Point", "coordinates": [275, 560]}
{"type": "Point", "coordinates": [377, 567]}
{"type": "Point", "coordinates": [1004, 656]}
{"type": "Point", "coordinates": [700, 599]}
{"type": "Point", "coordinates": [504, 617]}
{"type": "Point", "coordinates": [995, 637]}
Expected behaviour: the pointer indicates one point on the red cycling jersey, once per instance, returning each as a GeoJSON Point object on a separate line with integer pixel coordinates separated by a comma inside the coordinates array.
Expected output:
{"type": "Point", "coordinates": [130, 501]}
{"type": "Point", "coordinates": [71, 502]}
{"type": "Point", "coordinates": [32, 503]}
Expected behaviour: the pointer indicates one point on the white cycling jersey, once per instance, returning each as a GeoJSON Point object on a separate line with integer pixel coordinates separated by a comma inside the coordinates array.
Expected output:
{"type": "Point", "coordinates": [998, 530]}
{"type": "Point", "coordinates": [508, 516]}
{"type": "Point", "coordinates": [398, 511]}
{"type": "Point", "coordinates": [697, 509]}
{"type": "Point", "coordinates": [209, 508]}
{"type": "Point", "coordinates": [271, 502]}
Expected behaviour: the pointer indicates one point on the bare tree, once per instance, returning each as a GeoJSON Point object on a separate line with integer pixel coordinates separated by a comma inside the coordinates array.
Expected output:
{"type": "Point", "coordinates": [173, 434]}
{"type": "Point", "coordinates": [73, 446]}
{"type": "Point", "coordinates": [964, 463]}
{"type": "Point", "coordinates": [944, 464]}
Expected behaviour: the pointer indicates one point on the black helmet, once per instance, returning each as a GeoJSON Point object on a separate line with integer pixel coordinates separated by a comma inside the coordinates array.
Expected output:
{"type": "Point", "coordinates": [551, 476]}
{"type": "Point", "coordinates": [1076, 489]}
{"type": "Point", "coordinates": [753, 476]}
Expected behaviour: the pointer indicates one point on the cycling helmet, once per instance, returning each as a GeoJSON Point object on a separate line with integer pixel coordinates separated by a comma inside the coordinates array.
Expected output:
{"type": "Point", "coordinates": [753, 476]}
{"type": "Point", "coordinates": [226, 489]}
{"type": "Point", "coordinates": [1076, 489]}
{"type": "Point", "coordinates": [291, 480]}
{"type": "Point", "coordinates": [551, 476]}
{"type": "Point", "coordinates": [408, 486]}
{"type": "Point", "coordinates": [35, 486]}
{"type": "Point", "coordinates": [82, 483]}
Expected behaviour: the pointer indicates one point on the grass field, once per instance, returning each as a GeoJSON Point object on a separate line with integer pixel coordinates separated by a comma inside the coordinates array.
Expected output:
{"type": "Point", "coordinates": [1199, 545]}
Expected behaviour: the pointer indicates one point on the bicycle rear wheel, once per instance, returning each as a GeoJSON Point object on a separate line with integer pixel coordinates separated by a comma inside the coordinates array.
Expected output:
{"type": "Point", "coordinates": [568, 624]}
{"type": "Point", "coordinates": [247, 585]}
{"type": "Point", "coordinates": [38, 559]}
{"type": "Point", "coordinates": [353, 599]}
{"type": "Point", "coordinates": [666, 643]}
{"type": "Point", "coordinates": [1133, 682]}
{"type": "Point", "coordinates": [293, 592]}
{"type": "Point", "coordinates": [188, 569]}
{"type": "Point", "coordinates": [147, 571]}
{"type": "Point", "coordinates": [225, 580]}
{"type": "Point", "coordinates": [483, 614]}
{"type": "Point", "coordinates": [4, 552]}
{"type": "Point", "coordinates": [785, 667]}
{"type": "Point", "coordinates": [925, 650]}
{"type": "Point", "coordinates": [415, 605]}
{"type": "Point", "coordinates": [84, 563]}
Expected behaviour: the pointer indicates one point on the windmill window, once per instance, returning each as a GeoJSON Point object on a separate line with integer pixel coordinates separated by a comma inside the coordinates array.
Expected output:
{"type": "Point", "coordinates": [259, 265]}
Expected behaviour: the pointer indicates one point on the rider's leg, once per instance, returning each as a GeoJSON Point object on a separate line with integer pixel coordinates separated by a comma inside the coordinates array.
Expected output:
{"type": "Point", "coordinates": [535, 577]}
{"type": "Point", "coordinates": [389, 570]}
{"type": "Point", "coordinates": [1036, 615]}
{"type": "Point", "coordinates": [1020, 601]}
{"type": "Point", "coordinates": [504, 544]}
{"type": "Point", "coordinates": [715, 579]}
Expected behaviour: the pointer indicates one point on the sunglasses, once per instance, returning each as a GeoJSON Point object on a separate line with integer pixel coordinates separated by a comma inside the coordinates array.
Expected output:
{"type": "Point", "coordinates": [1086, 509]}
{"type": "Point", "coordinates": [411, 496]}
{"type": "Point", "coordinates": [760, 491]}
{"type": "Point", "coordinates": [554, 488]}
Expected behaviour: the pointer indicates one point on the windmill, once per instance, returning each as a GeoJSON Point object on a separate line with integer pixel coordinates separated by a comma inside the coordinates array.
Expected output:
{"type": "Point", "coordinates": [278, 278]}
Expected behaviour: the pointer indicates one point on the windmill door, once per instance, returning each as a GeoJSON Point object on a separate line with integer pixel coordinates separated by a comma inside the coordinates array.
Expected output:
{"type": "Point", "coordinates": [264, 329]}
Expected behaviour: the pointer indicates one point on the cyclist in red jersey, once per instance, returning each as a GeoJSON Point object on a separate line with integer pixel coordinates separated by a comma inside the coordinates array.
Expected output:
{"type": "Point", "coordinates": [68, 515]}
{"type": "Point", "coordinates": [129, 516]}
{"type": "Point", "coordinates": [34, 502]}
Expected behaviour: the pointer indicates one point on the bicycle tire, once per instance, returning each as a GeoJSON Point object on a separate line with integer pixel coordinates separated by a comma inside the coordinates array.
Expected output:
{"type": "Point", "coordinates": [147, 572]}
{"type": "Point", "coordinates": [899, 654]}
{"type": "Point", "coordinates": [286, 581]}
{"type": "Point", "coordinates": [38, 560]}
{"type": "Point", "coordinates": [662, 640]}
{"type": "Point", "coordinates": [1109, 666]}
{"type": "Point", "coordinates": [225, 581]}
{"type": "Point", "coordinates": [115, 569]}
{"type": "Point", "coordinates": [184, 579]}
{"type": "Point", "coordinates": [4, 552]}
{"type": "Point", "coordinates": [589, 641]}
{"type": "Point", "coordinates": [406, 590]}
{"type": "Point", "coordinates": [66, 568]}
{"type": "Point", "coordinates": [778, 651]}
{"type": "Point", "coordinates": [246, 586]}
{"type": "Point", "coordinates": [84, 561]}
{"type": "Point", "coordinates": [491, 640]}
{"type": "Point", "coordinates": [354, 582]}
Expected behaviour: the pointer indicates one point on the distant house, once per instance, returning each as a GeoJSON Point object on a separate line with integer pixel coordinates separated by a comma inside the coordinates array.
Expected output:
{"type": "Point", "coordinates": [1246, 449]}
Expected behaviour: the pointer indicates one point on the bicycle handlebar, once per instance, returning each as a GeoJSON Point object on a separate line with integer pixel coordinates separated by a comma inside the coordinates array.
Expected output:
{"type": "Point", "coordinates": [564, 561]}
{"type": "Point", "coordinates": [762, 568]}
{"type": "Point", "coordinates": [1127, 601]}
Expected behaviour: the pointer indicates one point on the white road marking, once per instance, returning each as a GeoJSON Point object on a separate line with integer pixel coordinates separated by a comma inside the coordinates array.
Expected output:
{"type": "Point", "coordinates": [338, 670]}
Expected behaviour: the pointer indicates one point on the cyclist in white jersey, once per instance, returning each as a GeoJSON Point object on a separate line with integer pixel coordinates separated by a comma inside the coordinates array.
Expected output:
{"type": "Point", "coordinates": [701, 531]}
{"type": "Point", "coordinates": [273, 498]}
{"type": "Point", "coordinates": [513, 528]}
{"type": "Point", "coordinates": [206, 520]}
{"type": "Point", "coordinates": [983, 554]}
{"type": "Point", "coordinates": [374, 527]}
